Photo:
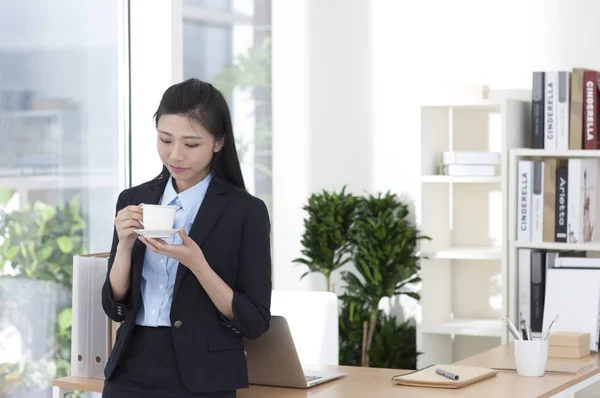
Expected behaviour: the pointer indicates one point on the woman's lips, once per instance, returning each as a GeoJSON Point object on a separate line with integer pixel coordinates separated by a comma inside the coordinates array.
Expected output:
{"type": "Point", "coordinates": [177, 169]}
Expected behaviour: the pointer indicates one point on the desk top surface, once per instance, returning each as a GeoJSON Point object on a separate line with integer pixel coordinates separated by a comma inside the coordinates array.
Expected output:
{"type": "Point", "coordinates": [366, 382]}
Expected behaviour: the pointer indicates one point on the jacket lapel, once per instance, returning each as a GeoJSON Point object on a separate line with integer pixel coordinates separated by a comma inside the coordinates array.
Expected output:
{"type": "Point", "coordinates": [212, 207]}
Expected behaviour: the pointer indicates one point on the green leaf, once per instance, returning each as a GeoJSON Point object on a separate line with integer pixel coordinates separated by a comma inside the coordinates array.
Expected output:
{"type": "Point", "coordinates": [65, 244]}
{"type": "Point", "coordinates": [46, 212]}
{"type": "Point", "coordinates": [305, 274]}
{"type": "Point", "coordinates": [302, 261]}
{"type": "Point", "coordinates": [414, 295]}
{"type": "Point", "coordinates": [65, 318]}
{"type": "Point", "coordinates": [45, 253]}
{"type": "Point", "coordinates": [75, 206]}
{"type": "Point", "coordinates": [325, 241]}
{"type": "Point", "coordinates": [12, 253]}
{"type": "Point", "coordinates": [78, 224]}
{"type": "Point", "coordinates": [5, 195]}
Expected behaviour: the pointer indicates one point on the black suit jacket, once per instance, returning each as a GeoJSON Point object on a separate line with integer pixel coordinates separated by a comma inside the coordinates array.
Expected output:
{"type": "Point", "coordinates": [233, 230]}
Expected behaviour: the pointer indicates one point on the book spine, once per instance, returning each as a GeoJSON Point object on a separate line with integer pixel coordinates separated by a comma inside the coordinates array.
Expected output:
{"type": "Point", "coordinates": [549, 216]}
{"type": "Point", "coordinates": [574, 201]}
{"type": "Point", "coordinates": [537, 202]}
{"type": "Point", "coordinates": [576, 113]}
{"type": "Point", "coordinates": [525, 169]}
{"type": "Point", "coordinates": [538, 282]}
{"type": "Point", "coordinates": [562, 111]}
{"type": "Point", "coordinates": [524, 285]}
{"type": "Point", "coordinates": [588, 197]}
{"type": "Point", "coordinates": [551, 84]}
{"type": "Point", "coordinates": [590, 109]}
{"type": "Point", "coordinates": [99, 333]}
{"type": "Point", "coordinates": [537, 111]}
{"type": "Point", "coordinates": [562, 178]}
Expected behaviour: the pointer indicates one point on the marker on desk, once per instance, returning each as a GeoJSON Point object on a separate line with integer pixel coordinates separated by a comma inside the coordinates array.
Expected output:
{"type": "Point", "coordinates": [524, 329]}
{"type": "Point", "coordinates": [512, 329]}
{"type": "Point", "coordinates": [547, 332]}
{"type": "Point", "coordinates": [449, 375]}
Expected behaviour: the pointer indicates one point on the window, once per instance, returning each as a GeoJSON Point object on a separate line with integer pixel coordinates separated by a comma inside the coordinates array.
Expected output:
{"type": "Point", "coordinates": [62, 140]}
{"type": "Point", "coordinates": [228, 43]}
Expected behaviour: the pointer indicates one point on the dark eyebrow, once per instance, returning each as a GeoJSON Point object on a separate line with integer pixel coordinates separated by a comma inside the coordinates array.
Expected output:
{"type": "Point", "coordinates": [187, 136]}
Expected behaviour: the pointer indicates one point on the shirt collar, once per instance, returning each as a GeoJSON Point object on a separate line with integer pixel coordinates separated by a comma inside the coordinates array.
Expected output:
{"type": "Point", "coordinates": [188, 197]}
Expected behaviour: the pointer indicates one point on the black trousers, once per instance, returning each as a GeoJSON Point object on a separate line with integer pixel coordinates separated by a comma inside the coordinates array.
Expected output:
{"type": "Point", "coordinates": [149, 369]}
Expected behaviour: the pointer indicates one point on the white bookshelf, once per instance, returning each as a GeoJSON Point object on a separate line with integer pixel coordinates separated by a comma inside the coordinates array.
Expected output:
{"type": "Point", "coordinates": [465, 275]}
{"type": "Point", "coordinates": [465, 253]}
{"type": "Point", "coordinates": [593, 248]}
{"type": "Point", "coordinates": [467, 327]}
{"type": "Point", "coordinates": [460, 179]}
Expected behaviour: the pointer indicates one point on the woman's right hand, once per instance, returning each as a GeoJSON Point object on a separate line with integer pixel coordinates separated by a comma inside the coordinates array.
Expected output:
{"type": "Point", "coordinates": [127, 220]}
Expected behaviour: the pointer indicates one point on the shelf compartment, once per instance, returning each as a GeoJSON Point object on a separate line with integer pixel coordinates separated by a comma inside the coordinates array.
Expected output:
{"type": "Point", "coordinates": [573, 153]}
{"type": "Point", "coordinates": [467, 327]}
{"type": "Point", "coordinates": [460, 179]}
{"type": "Point", "coordinates": [471, 104]}
{"type": "Point", "coordinates": [465, 253]}
{"type": "Point", "coordinates": [587, 246]}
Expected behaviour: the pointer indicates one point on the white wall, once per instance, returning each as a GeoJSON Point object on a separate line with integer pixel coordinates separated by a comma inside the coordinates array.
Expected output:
{"type": "Point", "coordinates": [489, 42]}
{"type": "Point", "coordinates": [321, 117]}
{"type": "Point", "coordinates": [156, 64]}
{"type": "Point", "coordinates": [348, 77]}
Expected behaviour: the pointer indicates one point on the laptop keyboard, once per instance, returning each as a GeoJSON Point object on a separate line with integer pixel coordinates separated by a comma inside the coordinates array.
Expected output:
{"type": "Point", "coordinates": [311, 378]}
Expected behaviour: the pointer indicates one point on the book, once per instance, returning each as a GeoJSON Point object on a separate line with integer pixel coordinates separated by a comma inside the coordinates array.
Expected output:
{"type": "Point", "coordinates": [590, 109]}
{"type": "Point", "coordinates": [581, 209]}
{"type": "Point", "coordinates": [537, 110]}
{"type": "Point", "coordinates": [524, 196]}
{"type": "Point", "coordinates": [562, 110]}
{"type": "Point", "coordinates": [562, 203]}
{"type": "Point", "coordinates": [537, 202]}
{"type": "Point", "coordinates": [550, 94]}
{"type": "Point", "coordinates": [576, 112]}
{"type": "Point", "coordinates": [427, 377]}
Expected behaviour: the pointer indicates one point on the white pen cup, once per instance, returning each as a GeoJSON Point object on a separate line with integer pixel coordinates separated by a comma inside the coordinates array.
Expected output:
{"type": "Point", "coordinates": [157, 217]}
{"type": "Point", "coordinates": [531, 357]}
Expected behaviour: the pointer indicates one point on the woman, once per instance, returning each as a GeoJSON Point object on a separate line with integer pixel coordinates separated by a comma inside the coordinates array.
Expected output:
{"type": "Point", "coordinates": [187, 302]}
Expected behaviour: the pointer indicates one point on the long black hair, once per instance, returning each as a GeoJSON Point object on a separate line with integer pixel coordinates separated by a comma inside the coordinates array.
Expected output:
{"type": "Point", "coordinates": [203, 103]}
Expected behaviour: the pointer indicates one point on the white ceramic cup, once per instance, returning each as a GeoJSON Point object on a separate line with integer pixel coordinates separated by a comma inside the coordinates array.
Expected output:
{"type": "Point", "coordinates": [531, 357]}
{"type": "Point", "coordinates": [158, 218]}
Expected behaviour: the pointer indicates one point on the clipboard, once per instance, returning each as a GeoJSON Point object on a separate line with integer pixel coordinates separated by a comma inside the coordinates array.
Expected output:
{"type": "Point", "coordinates": [427, 377]}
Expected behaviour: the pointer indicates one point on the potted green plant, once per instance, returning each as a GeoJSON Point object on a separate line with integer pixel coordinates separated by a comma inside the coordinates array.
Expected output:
{"type": "Point", "coordinates": [384, 246]}
{"type": "Point", "coordinates": [326, 240]}
{"type": "Point", "coordinates": [39, 243]}
{"type": "Point", "coordinates": [41, 240]}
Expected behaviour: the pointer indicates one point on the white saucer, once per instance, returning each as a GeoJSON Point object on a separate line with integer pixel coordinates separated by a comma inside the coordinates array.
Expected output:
{"type": "Point", "coordinates": [156, 233]}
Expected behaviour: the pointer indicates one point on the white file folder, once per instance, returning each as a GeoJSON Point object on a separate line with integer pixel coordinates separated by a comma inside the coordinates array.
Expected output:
{"type": "Point", "coordinates": [573, 294]}
{"type": "Point", "coordinates": [91, 328]}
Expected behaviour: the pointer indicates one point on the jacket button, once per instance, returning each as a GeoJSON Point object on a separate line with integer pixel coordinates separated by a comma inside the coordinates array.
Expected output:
{"type": "Point", "coordinates": [178, 324]}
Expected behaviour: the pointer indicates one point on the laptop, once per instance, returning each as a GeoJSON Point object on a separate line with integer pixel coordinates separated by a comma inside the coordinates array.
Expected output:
{"type": "Point", "coordinates": [272, 360]}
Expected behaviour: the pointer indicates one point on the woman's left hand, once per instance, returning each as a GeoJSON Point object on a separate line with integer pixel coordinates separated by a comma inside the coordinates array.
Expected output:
{"type": "Point", "coordinates": [187, 253]}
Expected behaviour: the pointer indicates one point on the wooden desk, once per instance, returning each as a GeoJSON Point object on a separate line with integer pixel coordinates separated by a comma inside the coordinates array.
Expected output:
{"type": "Point", "coordinates": [372, 382]}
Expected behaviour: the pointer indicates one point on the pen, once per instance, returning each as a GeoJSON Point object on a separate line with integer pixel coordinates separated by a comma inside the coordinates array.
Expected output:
{"type": "Point", "coordinates": [449, 375]}
{"type": "Point", "coordinates": [512, 329]}
{"type": "Point", "coordinates": [547, 332]}
{"type": "Point", "coordinates": [528, 332]}
{"type": "Point", "coordinates": [524, 329]}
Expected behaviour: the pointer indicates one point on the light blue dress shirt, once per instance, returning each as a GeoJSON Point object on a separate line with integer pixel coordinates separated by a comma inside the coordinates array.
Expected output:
{"type": "Point", "coordinates": [158, 272]}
